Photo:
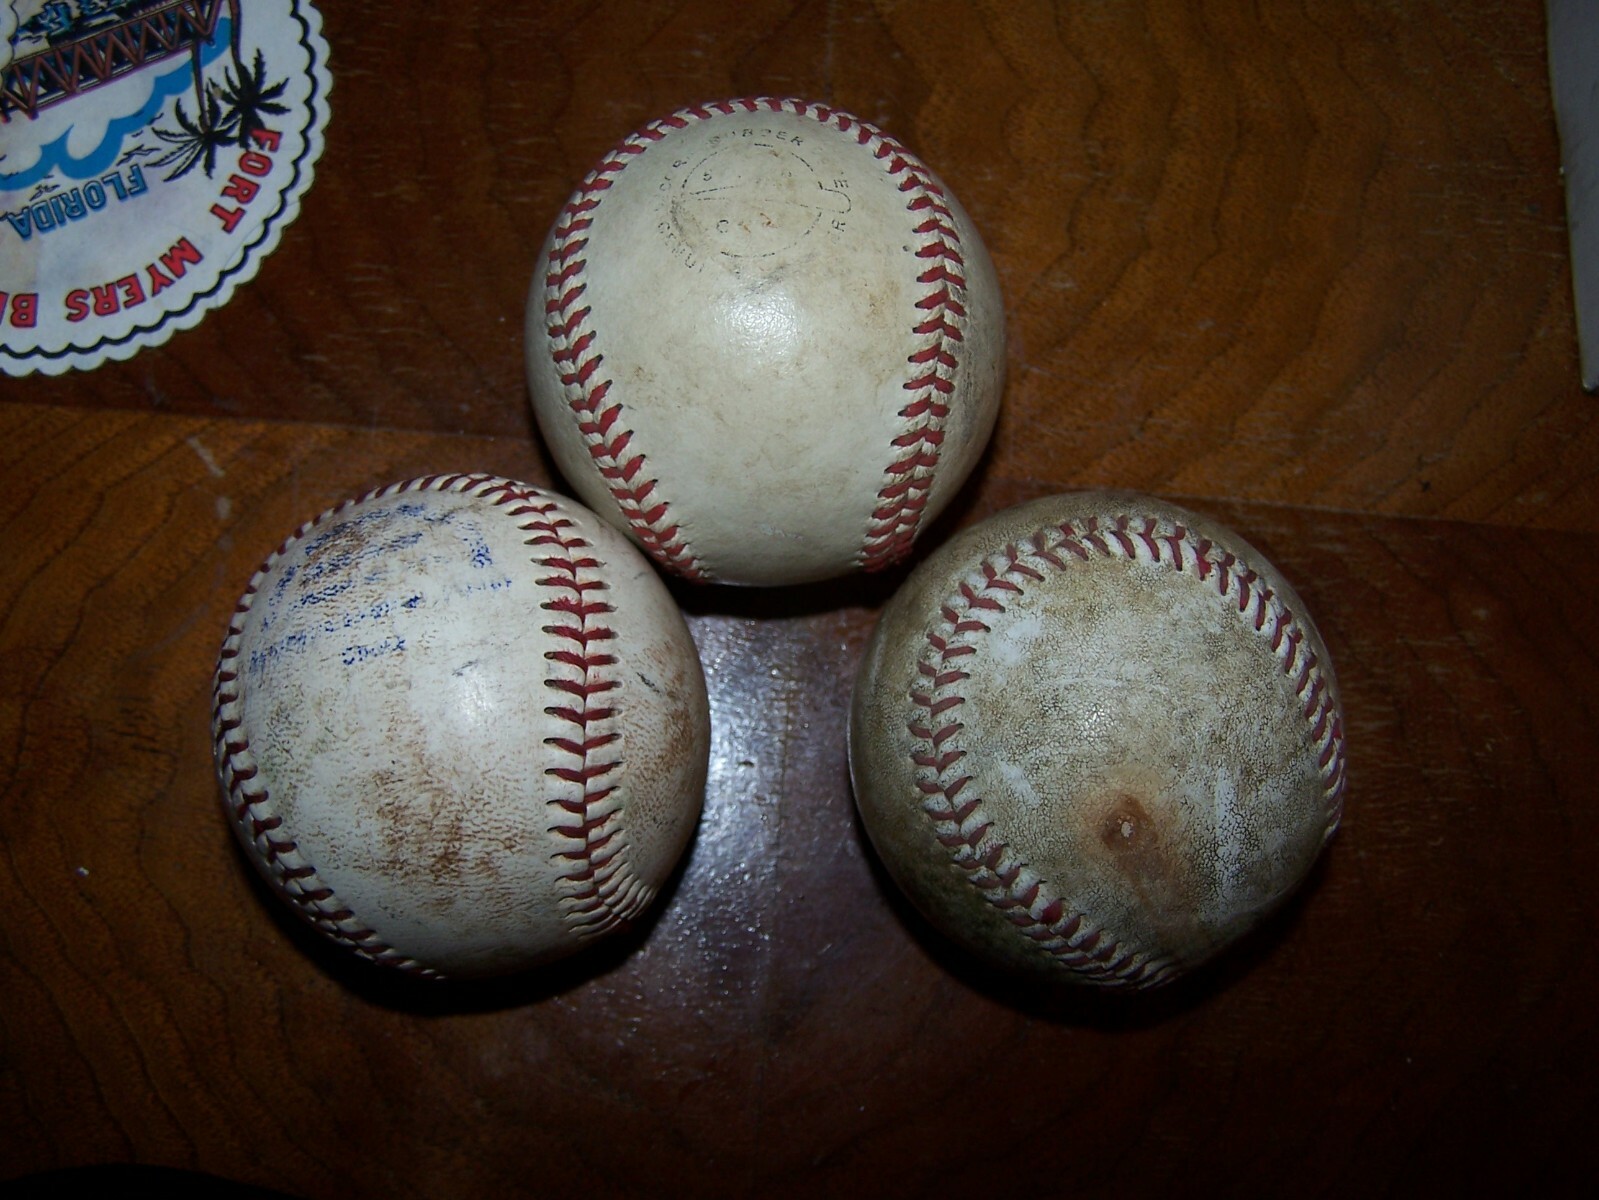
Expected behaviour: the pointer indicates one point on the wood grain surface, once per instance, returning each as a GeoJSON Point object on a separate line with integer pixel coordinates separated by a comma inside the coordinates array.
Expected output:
{"type": "Point", "coordinates": [1300, 265]}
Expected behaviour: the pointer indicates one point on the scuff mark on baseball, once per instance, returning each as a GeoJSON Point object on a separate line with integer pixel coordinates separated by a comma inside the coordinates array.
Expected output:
{"type": "Point", "coordinates": [765, 340]}
{"type": "Point", "coordinates": [460, 726]}
{"type": "Point", "coordinates": [1097, 736]}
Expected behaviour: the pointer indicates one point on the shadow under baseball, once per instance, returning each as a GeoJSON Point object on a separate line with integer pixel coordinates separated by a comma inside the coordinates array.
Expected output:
{"type": "Point", "coordinates": [1076, 1004]}
{"type": "Point", "coordinates": [422, 996]}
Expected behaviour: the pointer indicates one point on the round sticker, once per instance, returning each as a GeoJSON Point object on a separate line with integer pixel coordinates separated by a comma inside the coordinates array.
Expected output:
{"type": "Point", "coordinates": [151, 154]}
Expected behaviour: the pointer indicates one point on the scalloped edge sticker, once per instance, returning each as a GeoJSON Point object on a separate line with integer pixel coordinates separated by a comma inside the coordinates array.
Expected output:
{"type": "Point", "coordinates": [151, 154]}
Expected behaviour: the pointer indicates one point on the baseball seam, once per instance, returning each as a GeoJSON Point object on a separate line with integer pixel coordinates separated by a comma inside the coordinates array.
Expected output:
{"type": "Point", "coordinates": [896, 518]}
{"type": "Point", "coordinates": [601, 891]}
{"type": "Point", "coordinates": [961, 823]}
{"type": "Point", "coordinates": [901, 501]}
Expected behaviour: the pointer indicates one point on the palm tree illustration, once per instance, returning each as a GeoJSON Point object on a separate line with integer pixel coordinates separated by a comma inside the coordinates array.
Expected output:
{"type": "Point", "coordinates": [249, 96]}
{"type": "Point", "coordinates": [196, 142]}
{"type": "Point", "coordinates": [224, 115]}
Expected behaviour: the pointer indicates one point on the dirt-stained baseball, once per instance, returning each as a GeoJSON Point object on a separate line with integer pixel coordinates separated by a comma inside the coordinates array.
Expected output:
{"type": "Point", "coordinates": [461, 726]}
{"type": "Point", "coordinates": [765, 340]}
{"type": "Point", "coordinates": [1097, 736]}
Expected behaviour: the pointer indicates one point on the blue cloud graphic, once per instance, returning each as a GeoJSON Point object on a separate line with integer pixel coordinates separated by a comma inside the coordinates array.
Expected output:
{"type": "Point", "coordinates": [54, 155]}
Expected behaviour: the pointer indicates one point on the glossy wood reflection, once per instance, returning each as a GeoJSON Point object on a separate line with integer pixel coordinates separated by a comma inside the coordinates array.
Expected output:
{"type": "Point", "coordinates": [1300, 266]}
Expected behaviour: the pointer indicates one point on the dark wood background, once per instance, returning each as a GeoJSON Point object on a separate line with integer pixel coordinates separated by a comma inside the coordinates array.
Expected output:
{"type": "Point", "coordinates": [1301, 265]}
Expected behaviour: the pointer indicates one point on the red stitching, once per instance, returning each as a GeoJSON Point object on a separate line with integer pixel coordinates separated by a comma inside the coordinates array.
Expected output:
{"type": "Point", "coordinates": [602, 891]}
{"type": "Point", "coordinates": [579, 364]}
{"type": "Point", "coordinates": [901, 501]}
{"type": "Point", "coordinates": [249, 801]}
{"type": "Point", "coordinates": [1003, 877]}
{"type": "Point", "coordinates": [595, 867]}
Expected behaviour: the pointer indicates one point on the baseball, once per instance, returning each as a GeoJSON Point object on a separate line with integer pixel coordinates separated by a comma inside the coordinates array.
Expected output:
{"type": "Point", "coordinates": [460, 726]}
{"type": "Point", "coordinates": [1097, 736]}
{"type": "Point", "coordinates": [766, 341]}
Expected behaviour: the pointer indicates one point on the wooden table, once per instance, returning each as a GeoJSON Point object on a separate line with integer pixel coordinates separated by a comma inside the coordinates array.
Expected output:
{"type": "Point", "coordinates": [1301, 266]}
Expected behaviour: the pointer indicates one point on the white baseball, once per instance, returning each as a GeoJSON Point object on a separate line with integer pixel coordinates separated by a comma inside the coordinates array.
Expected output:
{"type": "Point", "coordinates": [1097, 736]}
{"type": "Point", "coordinates": [766, 341]}
{"type": "Point", "coordinates": [461, 726]}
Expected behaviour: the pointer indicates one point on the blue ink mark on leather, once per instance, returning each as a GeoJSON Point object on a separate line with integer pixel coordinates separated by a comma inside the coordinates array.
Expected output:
{"type": "Point", "coordinates": [261, 659]}
{"type": "Point", "coordinates": [393, 644]}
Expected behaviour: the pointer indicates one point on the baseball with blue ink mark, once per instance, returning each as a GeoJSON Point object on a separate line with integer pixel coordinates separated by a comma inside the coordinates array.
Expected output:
{"type": "Point", "coordinates": [349, 572]}
{"type": "Point", "coordinates": [461, 726]}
